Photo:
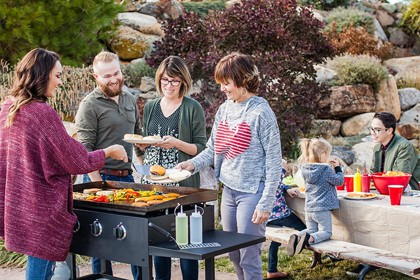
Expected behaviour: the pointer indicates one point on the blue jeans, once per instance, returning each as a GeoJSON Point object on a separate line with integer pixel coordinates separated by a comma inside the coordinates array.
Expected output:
{"type": "Point", "coordinates": [319, 225]}
{"type": "Point", "coordinates": [39, 269]}
{"type": "Point", "coordinates": [189, 268]}
{"type": "Point", "coordinates": [291, 221]}
{"type": "Point", "coordinates": [96, 262]}
{"type": "Point", "coordinates": [237, 209]}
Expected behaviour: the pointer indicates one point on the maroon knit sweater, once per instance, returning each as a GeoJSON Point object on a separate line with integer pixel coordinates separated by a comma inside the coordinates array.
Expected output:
{"type": "Point", "coordinates": [37, 158]}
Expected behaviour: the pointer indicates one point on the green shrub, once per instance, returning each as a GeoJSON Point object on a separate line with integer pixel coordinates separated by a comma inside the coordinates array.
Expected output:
{"type": "Point", "coordinates": [70, 28]}
{"type": "Point", "coordinates": [358, 69]}
{"type": "Point", "coordinates": [324, 4]}
{"type": "Point", "coordinates": [133, 73]}
{"type": "Point", "coordinates": [284, 41]}
{"type": "Point", "coordinates": [345, 18]}
{"type": "Point", "coordinates": [411, 18]}
{"type": "Point", "coordinates": [203, 8]}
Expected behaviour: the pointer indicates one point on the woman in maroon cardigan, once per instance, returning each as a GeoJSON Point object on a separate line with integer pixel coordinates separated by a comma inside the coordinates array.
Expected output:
{"type": "Point", "coordinates": [37, 158]}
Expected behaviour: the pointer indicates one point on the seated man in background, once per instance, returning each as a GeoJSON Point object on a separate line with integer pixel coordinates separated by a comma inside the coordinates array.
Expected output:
{"type": "Point", "coordinates": [393, 152]}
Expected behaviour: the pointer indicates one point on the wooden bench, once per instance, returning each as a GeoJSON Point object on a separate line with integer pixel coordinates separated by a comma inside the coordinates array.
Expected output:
{"type": "Point", "coordinates": [372, 258]}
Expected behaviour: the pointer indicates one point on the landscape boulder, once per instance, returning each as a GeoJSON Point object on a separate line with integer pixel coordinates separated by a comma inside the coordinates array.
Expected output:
{"type": "Point", "coordinates": [347, 101]}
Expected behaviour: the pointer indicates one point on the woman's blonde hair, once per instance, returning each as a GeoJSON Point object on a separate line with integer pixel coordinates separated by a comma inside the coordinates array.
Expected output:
{"type": "Point", "coordinates": [31, 80]}
{"type": "Point", "coordinates": [314, 150]}
{"type": "Point", "coordinates": [240, 69]}
{"type": "Point", "coordinates": [174, 67]}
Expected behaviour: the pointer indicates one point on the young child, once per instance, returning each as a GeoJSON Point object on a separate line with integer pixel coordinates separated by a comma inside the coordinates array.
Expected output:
{"type": "Point", "coordinates": [281, 216]}
{"type": "Point", "coordinates": [321, 195]}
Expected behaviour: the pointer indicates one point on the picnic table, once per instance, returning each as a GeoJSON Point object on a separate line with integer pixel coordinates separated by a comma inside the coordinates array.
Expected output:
{"type": "Point", "coordinates": [374, 223]}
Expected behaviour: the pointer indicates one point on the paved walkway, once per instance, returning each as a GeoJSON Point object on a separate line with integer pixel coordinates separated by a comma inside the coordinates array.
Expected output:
{"type": "Point", "coordinates": [120, 270]}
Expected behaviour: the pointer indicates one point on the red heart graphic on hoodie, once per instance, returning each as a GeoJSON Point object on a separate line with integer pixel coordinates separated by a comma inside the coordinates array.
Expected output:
{"type": "Point", "coordinates": [232, 142]}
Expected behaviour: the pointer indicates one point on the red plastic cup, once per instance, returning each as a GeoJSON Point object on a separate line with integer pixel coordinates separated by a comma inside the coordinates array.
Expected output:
{"type": "Point", "coordinates": [365, 183]}
{"type": "Point", "coordinates": [348, 181]}
{"type": "Point", "coordinates": [395, 193]}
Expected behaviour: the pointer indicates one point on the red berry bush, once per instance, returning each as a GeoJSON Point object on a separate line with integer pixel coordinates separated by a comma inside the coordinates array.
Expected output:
{"type": "Point", "coordinates": [284, 40]}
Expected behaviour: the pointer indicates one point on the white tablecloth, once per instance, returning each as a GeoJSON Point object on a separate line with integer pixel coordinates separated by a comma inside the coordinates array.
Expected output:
{"type": "Point", "coordinates": [375, 223]}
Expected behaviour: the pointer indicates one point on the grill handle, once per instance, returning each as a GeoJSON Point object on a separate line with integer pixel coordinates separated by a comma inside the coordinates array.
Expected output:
{"type": "Point", "coordinates": [165, 233]}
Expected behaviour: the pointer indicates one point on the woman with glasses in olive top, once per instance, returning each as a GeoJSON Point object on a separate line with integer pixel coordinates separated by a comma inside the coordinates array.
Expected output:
{"type": "Point", "coordinates": [180, 121]}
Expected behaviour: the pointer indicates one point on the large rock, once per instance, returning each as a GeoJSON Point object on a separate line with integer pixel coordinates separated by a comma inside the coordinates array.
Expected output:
{"type": "Point", "coordinates": [408, 131]}
{"type": "Point", "coordinates": [130, 44]}
{"type": "Point", "coordinates": [357, 125]}
{"type": "Point", "coordinates": [140, 22]}
{"type": "Point", "coordinates": [379, 32]}
{"type": "Point", "coordinates": [410, 122]}
{"type": "Point", "coordinates": [384, 18]}
{"type": "Point", "coordinates": [147, 84]}
{"type": "Point", "coordinates": [409, 97]}
{"type": "Point", "coordinates": [398, 37]}
{"type": "Point", "coordinates": [151, 9]}
{"type": "Point", "coordinates": [320, 14]}
{"type": "Point", "coordinates": [326, 128]}
{"type": "Point", "coordinates": [387, 98]}
{"type": "Point", "coordinates": [404, 65]}
{"type": "Point", "coordinates": [347, 101]}
{"type": "Point", "coordinates": [390, 8]}
{"type": "Point", "coordinates": [171, 9]}
{"type": "Point", "coordinates": [324, 74]}
{"type": "Point", "coordinates": [363, 153]}
{"type": "Point", "coordinates": [345, 154]}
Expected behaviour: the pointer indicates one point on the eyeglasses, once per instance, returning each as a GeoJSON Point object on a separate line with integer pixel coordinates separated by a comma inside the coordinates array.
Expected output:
{"type": "Point", "coordinates": [173, 83]}
{"type": "Point", "coordinates": [377, 130]}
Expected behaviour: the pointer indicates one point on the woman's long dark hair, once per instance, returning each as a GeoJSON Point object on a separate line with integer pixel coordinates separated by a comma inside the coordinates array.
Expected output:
{"type": "Point", "coordinates": [31, 79]}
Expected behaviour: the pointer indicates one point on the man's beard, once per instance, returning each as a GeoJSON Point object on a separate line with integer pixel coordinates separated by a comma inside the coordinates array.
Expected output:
{"type": "Point", "coordinates": [110, 92]}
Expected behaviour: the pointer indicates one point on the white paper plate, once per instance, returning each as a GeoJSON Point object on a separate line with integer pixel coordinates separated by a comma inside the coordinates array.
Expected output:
{"type": "Point", "coordinates": [360, 196]}
{"type": "Point", "coordinates": [141, 141]}
{"type": "Point", "coordinates": [183, 174]}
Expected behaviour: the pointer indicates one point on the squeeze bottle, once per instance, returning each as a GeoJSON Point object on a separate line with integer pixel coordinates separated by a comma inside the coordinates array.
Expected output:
{"type": "Point", "coordinates": [181, 227]}
{"type": "Point", "coordinates": [357, 181]}
{"type": "Point", "coordinates": [196, 227]}
{"type": "Point", "coordinates": [365, 180]}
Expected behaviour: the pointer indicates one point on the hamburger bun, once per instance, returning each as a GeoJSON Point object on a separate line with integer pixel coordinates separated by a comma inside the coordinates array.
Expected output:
{"type": "Point", "coordinates": [105, 192]}
{"type": "Point", "coordinates": [133, 137]}
{"type": "Point", "coordinates": [158, 177]}
{"type": "Point", "coordinates": [153, 138]}
{"type": "Point", "coordinates": [91, 191]}
{"type": "Point", "coordinates": [157, 170]}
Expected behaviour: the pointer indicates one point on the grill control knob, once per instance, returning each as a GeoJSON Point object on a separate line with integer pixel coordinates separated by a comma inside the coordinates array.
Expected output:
{"type": "Point", "coordinates": [76, 226]}
{"type": "Point", "coordinates": [119, 232]}
{"type": "Point", "coordinates": [96, 228]}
